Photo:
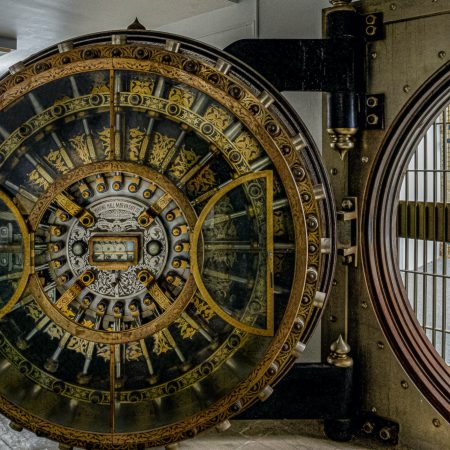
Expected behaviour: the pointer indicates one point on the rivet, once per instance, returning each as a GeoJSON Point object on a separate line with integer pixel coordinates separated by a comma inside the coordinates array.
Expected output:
{"type": "Point", "coordinates": [371, 102]}
{"type": "Point", "coordinates": [298, 324]}
{"type": "Point", "coordinates": [436, 422]}
{"type": "Point", "coordinates": [373, 409]}
{"type": "Point", "coordinates": [365, 159]}
{"type": "Point", "coordinates": [312, 223]}
{"type": "Point", "coordinates": [334, 171]}
{"type": "Point", "coordinates": [364, 305]}
{"type": "Point", "coordinates": [404, 384]}
{"type": "Point", "coordinates": [368, 427]}
{"type": "Point", "coordinates": [334, 283]}
{"type": "Point", "coordinates": [273, 369]}
{"type": "Point", "coordinates": [406, 88]}
{"type": "Point", "coordinates": [373, 55]}
{"type": "Point", "coordinates": [371, 19]}
{"type": "Point", "coordinates": [393, 7]}
{"type": "Point", "coordinates": [347, 205]}
{"type": "Point", "coordinates": [312, 248]}
{"type": "Point", "coordinates": [371, 30]}
{"type": "Point", "coordinates": [332, 318]}
{"type": "Point", "coordinates": [442, 54]}
{"type": "Point", "coordinates": [311, 275]}
{"type": "Point", "coordinates": [372, 119]}
{"type": "Point", "coordinates": [380, 345]}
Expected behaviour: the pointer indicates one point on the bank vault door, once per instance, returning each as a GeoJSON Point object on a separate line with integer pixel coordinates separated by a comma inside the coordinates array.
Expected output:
{"type": "Point", "coordinates": [167, 240]}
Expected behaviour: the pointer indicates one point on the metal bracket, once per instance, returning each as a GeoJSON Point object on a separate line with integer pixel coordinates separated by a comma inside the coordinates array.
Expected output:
{"type": "Point", "coordinates": [373, 111]}
{"type": "Point", "coordinates": [349, 214]}
{"type": "Point", "coordinates": [373, 27]}
{"type": "Point", "coordinates": [327, 65]}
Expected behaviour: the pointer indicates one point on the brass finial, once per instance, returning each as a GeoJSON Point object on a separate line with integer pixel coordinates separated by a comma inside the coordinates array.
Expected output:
{"type": "Point", "coordinates": [136, 25]}
{"type": "Point", "coordinates": [342, 140]}
{"type": "Point", "coordinates": [339, 353]}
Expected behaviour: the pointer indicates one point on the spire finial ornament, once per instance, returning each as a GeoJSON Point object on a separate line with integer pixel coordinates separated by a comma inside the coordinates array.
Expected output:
{"type": "Point", "coordinates": [136, 25]}
{"type": "Point", "coordinates": [339, 353]}
{"type": "Point", "coordinates": [341, 140]}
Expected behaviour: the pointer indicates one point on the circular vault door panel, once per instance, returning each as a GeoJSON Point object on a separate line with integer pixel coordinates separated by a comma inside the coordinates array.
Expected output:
{"type": "Point", "coordinates": [167, 240]}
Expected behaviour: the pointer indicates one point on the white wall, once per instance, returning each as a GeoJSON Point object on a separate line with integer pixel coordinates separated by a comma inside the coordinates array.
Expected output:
{"type": "Point", "coordinates": [221, 27]}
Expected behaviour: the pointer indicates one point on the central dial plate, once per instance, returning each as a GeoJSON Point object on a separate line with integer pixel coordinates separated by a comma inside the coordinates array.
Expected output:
{"type": "Point", "coordinates": [118, 242]}
{"type": "Point", "coordinates": [118, 247]}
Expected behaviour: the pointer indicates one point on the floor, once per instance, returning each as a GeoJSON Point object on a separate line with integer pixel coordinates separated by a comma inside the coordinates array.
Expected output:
{"type": "Point", "coordinates": [243, 435]}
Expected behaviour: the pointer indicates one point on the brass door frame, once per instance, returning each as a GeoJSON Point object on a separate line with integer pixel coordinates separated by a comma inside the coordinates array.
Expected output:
{"type": "Point", "coordinates": [414, 47]}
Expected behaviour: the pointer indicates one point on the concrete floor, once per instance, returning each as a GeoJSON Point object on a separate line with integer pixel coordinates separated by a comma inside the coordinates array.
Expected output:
{"type": "Point", "coordinates": [243, 435]}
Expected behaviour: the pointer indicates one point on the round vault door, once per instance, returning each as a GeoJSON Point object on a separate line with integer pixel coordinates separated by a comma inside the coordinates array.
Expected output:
{"type": "Point", "coordinates": [166, 240]}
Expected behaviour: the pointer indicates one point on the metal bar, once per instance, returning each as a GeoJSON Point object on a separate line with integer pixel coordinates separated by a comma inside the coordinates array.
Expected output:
{"type": "Point", "coordinates": [438, 276]}
{"type": "Point", "coordinates": [445, 150]}
{"type": "Point", "coordinates": [425, 241]}
{"type": "Point", "coordinates": [446, 330]}
{"type": "Point", "coordinates": [416, 193]}
{"type": "Point", "coordinates": [112, 386]}
{"type": "Point", "coordinates": [433, 320]}
{"type": "Point", "coordinates": [112, 118]}
{"type": "Point", "coordinates": [407, 240]}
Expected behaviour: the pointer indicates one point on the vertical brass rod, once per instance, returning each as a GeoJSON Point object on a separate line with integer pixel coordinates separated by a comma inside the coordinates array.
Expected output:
{"type": "Point", "coordinates": [112, 117]}
{"type": "Point", "coordinates": [112, 386]}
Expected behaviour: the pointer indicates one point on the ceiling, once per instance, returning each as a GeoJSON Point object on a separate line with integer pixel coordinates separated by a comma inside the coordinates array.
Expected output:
{"type": "Point", "coordinates": [39, 23]}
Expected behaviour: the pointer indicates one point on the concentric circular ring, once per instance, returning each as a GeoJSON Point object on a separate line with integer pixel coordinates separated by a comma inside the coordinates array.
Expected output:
{"type": "Point", "coordinates": [133, 334]}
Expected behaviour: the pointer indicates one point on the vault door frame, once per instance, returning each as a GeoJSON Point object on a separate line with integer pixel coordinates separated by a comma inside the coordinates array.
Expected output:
{"type": "Point", "coordinates": [413, 47]}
